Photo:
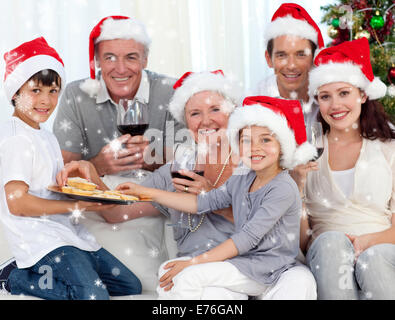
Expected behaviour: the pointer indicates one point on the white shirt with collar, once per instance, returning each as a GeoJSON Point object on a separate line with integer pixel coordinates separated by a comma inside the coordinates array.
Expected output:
{"type": "Point", "coordinates": [268, 87]}
{"type": "Point", "coordinates": [142, 94]}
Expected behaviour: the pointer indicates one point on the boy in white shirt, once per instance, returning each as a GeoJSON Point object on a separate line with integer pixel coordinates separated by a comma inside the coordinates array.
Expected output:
{"type": "Point", "coordinates": [56, 258]}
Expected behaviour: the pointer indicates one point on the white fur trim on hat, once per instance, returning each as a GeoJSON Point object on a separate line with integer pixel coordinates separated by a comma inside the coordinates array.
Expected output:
{"type": "Point", "coordinates": [345, 72]}
{"type": "Point", "coordinates": [124, 29]}
{"type": "Point", "coordinates": [292, 155]}
{"type": "Point", "coordinates": [290, 26]}
{"type": "Point", "coordinates": [204, 81]}
{"type": "Point", "coordinates": [26, 69]}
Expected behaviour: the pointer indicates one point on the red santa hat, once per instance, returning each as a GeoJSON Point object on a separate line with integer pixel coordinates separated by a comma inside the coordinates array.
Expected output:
{"type": "Point", "coordinates": [26, 60]}
{"type": "Point", "coordinates": [284, 118]}
{"type": "Point", "coordinates": [115, 27]}
{"type": "Point", "coordinates": [112, 28]}
{"type": "Point", "coordinates": [191, 83]}
{"type": "Point", "coordinates": [347, 62]}
{"type": "Point", "coordinates": [292, 19]}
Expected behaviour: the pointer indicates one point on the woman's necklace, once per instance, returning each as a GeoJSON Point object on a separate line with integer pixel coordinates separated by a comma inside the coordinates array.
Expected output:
{"type": "Point", "coordinates": [215, 183]}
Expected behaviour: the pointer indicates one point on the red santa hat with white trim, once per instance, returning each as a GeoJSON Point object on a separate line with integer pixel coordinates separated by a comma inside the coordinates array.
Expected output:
{"type": "Point", "coordinates": [292, 19]}
{"type": "Point", "coordinates": [26, 60]}
{"type": "Point", "coordinates": [284, 118]}
{"type": "Point", "coordinates": [194, 82]}
{"type": "Point", "coordinates": [112, 28]}
{"type": "Point", "coordinates": [347, 62]}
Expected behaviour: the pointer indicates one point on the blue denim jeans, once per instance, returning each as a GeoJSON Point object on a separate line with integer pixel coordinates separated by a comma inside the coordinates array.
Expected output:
{"type": "Point", "coordinates": [340, 277]}
{"type": "Point", "coordinates": [68, 273]}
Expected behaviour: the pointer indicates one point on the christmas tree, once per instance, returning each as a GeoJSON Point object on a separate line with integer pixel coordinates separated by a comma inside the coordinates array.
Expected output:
{"type": "Point", "coordinates": [373, 19]}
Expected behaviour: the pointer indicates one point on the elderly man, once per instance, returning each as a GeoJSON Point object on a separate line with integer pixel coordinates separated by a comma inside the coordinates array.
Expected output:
{"type": "Point", "coordinates": [291, 40]}
{"type": "Point", "coordinates": [86, 122]}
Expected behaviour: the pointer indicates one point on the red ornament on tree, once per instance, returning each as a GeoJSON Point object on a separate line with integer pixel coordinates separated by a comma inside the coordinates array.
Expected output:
{"type": "Point", "coordinates": [391, 74]}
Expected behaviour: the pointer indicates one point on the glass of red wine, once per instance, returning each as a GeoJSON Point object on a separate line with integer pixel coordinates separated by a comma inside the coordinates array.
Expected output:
{"type": "Point", "coordinates": [185, 157]}
{"type": "Point", "coordinates": [133, 121]}
{"type": "Point", "coordinates": [316, 138]}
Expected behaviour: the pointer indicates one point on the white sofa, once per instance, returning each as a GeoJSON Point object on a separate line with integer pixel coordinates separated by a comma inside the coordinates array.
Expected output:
{"type": "Point", "coordinates": [141, 244]}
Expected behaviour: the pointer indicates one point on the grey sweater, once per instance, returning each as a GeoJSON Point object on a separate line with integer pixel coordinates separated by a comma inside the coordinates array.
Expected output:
{"type": "Point", "coordinates": [267, 223]}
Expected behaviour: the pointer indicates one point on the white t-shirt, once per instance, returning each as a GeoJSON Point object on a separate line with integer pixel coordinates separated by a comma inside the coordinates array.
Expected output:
{"type": "Point", "coordinates": [345, 180]}
{"type": "Point", "coordinates": [34, 157]}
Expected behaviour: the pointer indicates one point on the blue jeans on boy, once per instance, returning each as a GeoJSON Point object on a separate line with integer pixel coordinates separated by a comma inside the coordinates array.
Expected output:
{"type": "Point", "coordinates": [340, 277]}
{"type": "Point", "coordinates": [68, 273]}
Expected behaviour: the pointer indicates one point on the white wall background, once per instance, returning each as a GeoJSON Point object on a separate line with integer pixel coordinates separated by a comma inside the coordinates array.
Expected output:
{"type": "Point", "coordinates": [188, 35]}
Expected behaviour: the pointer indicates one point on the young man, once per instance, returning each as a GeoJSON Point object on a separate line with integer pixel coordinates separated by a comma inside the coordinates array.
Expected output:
{"type": "Point", "coordinates": [86, 123]}
{"type": "Point", "coordinates": [291, 38]}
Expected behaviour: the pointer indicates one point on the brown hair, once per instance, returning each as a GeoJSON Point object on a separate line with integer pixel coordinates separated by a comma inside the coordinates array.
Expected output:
{"type": "Point", "coordinates": [374, 122]}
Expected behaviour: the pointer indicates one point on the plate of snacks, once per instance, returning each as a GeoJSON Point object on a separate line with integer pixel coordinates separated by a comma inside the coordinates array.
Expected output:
{"type": "Point", "coordinates": [81, 189]}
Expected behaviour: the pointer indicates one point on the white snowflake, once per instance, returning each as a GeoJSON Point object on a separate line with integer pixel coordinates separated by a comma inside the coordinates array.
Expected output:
{"type": "Point", "coordinates": [153, 252]}
{"type": "Point", "coordinates": [65, 125]}
{"type": "Point", "coordinates": [291, 236]}
{"type": "Point", "coordinates": [76, 215]}
{"type": "Point", "coordinates": [98, 283]}
{"type": "Point", "coordinates": [85, 151]}
{"type": "Point", "coordinates": [128, 251]}
{"type": "Point", "coordinates": [293, 95]}
{"type": "Point", "coordinates": [364, 266]}
{"type": "Point", "coordinates": [115, 146]}
{"type": "Point", "coordinates": [116, 271]}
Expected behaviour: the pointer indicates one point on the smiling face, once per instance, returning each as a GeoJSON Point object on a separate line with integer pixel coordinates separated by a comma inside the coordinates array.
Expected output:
{"type": "Point", "coordinates": [121, 63]}
{"type": "Point", "coordinates": [340, 105]}
{"type": "Point", "coordinates": [206, 116]}
{"type": "Point", "coordinates": [259, 149]}
{"type": "Point", "coordinates": [291, 60]}
{"type": "Point", "coordinates": [35, 102]}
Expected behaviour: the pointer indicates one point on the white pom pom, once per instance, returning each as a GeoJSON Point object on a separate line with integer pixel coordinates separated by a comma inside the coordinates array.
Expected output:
{"type": "Point", "coordinates": [391, 90]}
{"type": "Point", "coordinates": [304, 153]}
{"type": "Point", "coordinates": [91, 87]}
{"type": "Point", "coordinates": [376, 89]}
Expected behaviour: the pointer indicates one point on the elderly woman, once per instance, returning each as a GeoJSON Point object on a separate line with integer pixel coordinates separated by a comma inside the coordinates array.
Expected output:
{"type": "Point", "coordinates": [204, 101]}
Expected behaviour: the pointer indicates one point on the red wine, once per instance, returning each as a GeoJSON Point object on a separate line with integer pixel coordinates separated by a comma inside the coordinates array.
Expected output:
{"type": "Point", "coordinates": [133, 129]}
{"type": "Point", "coordinates": [320, 151]}
{"type": "Point", "coordinates": [176, 174]}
